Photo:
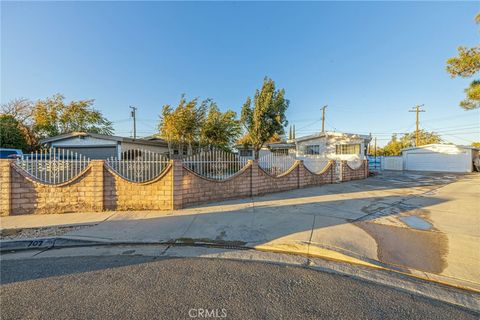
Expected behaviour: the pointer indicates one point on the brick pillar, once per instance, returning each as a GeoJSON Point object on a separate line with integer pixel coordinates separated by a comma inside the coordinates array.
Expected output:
{"type": "Point", "coordinates": [177, 184]}
{"type": "Point", "coordinates": [5, 187]}
{"type": "Point", "coordinates": [98, 185]}
{"type": "Point", "coordinates": [333, 165]}
{"type": "Point", "coordinates": [301, 174]}
{"type": "Point", "coordinates": [254, 177]}
{"type": "Point", "coordinates": [366, 168]}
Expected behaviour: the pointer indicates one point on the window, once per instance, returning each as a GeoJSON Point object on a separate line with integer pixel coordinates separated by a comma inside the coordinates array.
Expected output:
{"type": "Point", "coordinates": [246, 152]}
{"type": "Point", "coordinates": [313, 149]}
{"type": "Point", "coordinates": [347, 149]}
{"type": "Point", "coordinates": [280, 151]}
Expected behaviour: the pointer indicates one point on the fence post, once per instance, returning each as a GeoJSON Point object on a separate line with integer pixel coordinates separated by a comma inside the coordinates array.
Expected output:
{"type": "Point", "coordinates": [254, 178]}
{"type": "Point", "coordinates": [5, 187]}
{"type": "Point", "coordinates": [98, 185]}
{"type": "Point", "coordinates": [177, 184]}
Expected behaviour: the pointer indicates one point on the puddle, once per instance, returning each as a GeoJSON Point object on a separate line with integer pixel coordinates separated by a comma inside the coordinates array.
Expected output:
{"type": "Point", "coordinates": [398, 246]}
{"type": "Point", "coordinates": [416, 223]}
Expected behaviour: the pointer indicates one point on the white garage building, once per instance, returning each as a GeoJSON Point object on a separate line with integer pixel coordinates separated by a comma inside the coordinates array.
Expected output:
{"type": "Point", "coordinates": [440, 157]}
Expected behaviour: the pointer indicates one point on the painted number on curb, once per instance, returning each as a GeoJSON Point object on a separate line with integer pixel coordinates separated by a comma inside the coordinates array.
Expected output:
{"type": "Point", "coordinates": [35, 243]}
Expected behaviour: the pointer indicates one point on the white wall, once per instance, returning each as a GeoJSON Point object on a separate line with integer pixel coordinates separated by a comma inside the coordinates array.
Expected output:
{"type": "Point", "coordinates": [446, 158]}
{"type": "Point", "coordinates": [328, 149]}
{"type": "Point", "coordinates": [392, 163]}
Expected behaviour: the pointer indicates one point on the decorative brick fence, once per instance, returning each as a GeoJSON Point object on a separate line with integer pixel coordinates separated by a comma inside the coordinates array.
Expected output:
{"type": "Point", "coordinates": [99, 188]}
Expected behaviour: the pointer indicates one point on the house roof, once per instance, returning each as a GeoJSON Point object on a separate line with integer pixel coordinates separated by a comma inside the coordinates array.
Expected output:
{"type": "Point", "coordinates": [440, 145]}
{"type": "Point", "coordinates": [150, 142]}
{"type": "Point", "coordinates": [333, 134]}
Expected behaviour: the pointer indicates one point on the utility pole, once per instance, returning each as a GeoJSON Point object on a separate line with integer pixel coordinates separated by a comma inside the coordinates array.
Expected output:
{"type": "Point", "coordinates": [323, 118]}
{"type": "Point", "coordinates": [417, 109]}
{"type": "Point", "coordinates": [133, 114]}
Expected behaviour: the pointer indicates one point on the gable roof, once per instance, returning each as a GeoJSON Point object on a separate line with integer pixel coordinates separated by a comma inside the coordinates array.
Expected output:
{"type": "Point", "coordinates": [156, 142]}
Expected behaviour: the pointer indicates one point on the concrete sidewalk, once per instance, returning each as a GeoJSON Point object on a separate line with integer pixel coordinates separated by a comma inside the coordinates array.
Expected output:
{"type": "Point", "coordinates": [423, 225]}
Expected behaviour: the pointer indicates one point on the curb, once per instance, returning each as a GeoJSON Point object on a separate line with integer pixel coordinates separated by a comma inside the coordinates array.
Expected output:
{"type": "Point", "coordinates": [45, 244]}
{"type": "Point", "coordinates": [326, 254]}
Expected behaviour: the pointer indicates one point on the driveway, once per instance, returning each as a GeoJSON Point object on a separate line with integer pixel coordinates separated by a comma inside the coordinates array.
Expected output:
{"type": "Point", "coordinates": [426, 225]}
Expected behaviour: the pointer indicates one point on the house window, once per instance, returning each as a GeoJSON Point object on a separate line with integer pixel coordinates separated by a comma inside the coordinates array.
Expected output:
{"type": "Point", "coordinates": [347, 149]}
{"type": "Point", "coordinates": [313, 149]}
{"type": "Point", "coordinates": [246, 153]}
{"type": "Point", "coordinates": [280, 151]}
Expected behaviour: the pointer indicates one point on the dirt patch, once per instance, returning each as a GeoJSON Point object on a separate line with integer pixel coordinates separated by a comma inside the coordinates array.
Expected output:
{"type": "Point", "coordinates": [420, 250]}
{"type": "Point", "coordinates": [12, 234]}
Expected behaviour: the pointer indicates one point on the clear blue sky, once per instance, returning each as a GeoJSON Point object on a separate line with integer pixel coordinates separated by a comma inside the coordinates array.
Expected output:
{"type": "Point", "coordinates": [370, 62]}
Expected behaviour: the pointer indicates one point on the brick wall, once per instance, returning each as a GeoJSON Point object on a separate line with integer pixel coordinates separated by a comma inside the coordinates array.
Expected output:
{"type": "Point", "coordinates": [99, 188]}
{"type": "Point", "coordinates": [349, 173]}
{"type": "Point", "coordinates": [28, 196]}
{"type": "Point", "coordinates": [308, 178]}
{"type": "Point", "coordinates": [197, 189]}
{"type": "Point", "coordinates": [121, 194]}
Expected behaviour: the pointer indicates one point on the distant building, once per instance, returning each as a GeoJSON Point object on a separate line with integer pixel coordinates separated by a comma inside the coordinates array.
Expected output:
{"type": "Point", "coordinates": [99, 146]}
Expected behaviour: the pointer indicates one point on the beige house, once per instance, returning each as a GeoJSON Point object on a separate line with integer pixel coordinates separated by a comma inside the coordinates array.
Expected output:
{"type": "Point", "coordinates": [333, 145]}
{"type": "Point", "coordinates": [99, 146]}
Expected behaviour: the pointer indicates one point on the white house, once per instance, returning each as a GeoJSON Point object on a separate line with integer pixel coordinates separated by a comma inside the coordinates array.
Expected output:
{"type": "Point", "coordinates": [99, 146]}
{"type": "Point", "coordinates": [440, 157]}
{"type": "Point", "coordinates": [333, 145]}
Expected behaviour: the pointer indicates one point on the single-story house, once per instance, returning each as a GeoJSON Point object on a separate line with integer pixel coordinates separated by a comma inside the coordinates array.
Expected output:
{"type": "Point", "coordinates": [440, 157]}
{"type": "Point", "coordinates": [333, 145]}
{"type": "Point", "coordinates": [99, 146]}
{"type": "Point", "coordinates": [281, 147]}
{"type": "Point", "coordinates": [328, 145]}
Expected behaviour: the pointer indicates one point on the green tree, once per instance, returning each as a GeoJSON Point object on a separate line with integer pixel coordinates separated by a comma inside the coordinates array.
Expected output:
{"type": "Point", "coordinates": [11, 135]}
{"type": "Point", "coordinates": [194, 124]}
{"type": "Point", "coordinates": [466, 65]}
{"type": "Point", "coordinates": [219, 129]}
{"type": "Point", "coordinates": [21, 110]}
{"type": "Point", "coordinates": [394, 146]}
{"type": "Point", "coordinates": [181, 126]}
{"type": "Point", "coordinates": [476, 144]}
{"type": "Point", "coordinates": [53, 116]}
{"type": "Point", "coordinates": [267, 116]}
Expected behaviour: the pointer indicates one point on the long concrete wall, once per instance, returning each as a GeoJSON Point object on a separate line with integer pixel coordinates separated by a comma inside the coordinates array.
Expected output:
{"type": "Point", "coordinates": [98, 188]}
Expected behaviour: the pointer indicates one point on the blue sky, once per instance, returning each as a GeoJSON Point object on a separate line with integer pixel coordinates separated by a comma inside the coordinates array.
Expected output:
{"type": "Point", "coordinates": [369, 62]}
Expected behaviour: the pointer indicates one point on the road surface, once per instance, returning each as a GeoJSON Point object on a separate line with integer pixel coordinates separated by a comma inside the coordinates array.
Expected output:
{"type": "Point", "coordinates": [139, 287]}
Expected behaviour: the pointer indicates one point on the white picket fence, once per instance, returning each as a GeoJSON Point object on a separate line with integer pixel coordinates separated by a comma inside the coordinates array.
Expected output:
{"type": "Point", "coordinates": [138, 165]}
{"type": "Point", "coordinates": [54, 165]}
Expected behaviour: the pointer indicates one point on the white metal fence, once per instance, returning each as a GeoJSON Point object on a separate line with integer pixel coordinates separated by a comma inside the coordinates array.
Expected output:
{"type": "Point", "coordinates": [138, 165]}
{"type": "Point", "coordinates": [276, 164]}
{"type": "Point", "coordinates": [53, 166]}
{"type": "Point", "coordinates": [215, 164]}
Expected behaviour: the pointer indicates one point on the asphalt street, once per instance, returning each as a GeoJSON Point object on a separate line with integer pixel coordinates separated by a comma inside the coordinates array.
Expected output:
{"type": "Point", "coordinates": [139, 287]}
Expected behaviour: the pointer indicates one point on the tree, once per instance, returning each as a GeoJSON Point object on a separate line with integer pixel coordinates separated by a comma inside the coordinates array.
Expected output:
{"type": "Point", "coordinates": [198, 124]}
{"type": "Point", "coordinates": [219, 129]}
{"type": "Point", "coordinates": [476, 144]}
{"type": "Point", "coordinates": [21, 110]}
{"type": "Point", "coordinates": [181, 126]}
{"type": "Point", "coordinates": [11, 135]}
{"type": "Point", "coordinates": [466, 65]}
{"type": "Point", "coordinates": [53, 116]}
{"type": "Point", "coordinates": [394, 146]}
{"type": "Point", "coordinates": [267, 116]}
